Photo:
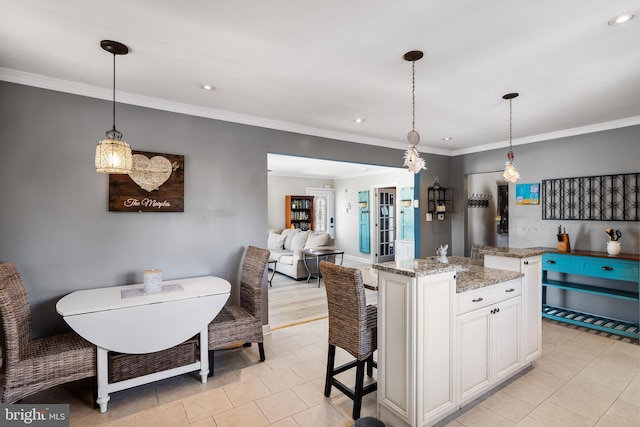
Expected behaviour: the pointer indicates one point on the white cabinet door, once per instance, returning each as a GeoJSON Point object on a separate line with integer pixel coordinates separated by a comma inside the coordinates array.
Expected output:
{"type": "Point", "coordinates": [435, 324]}
{"type": "Point", "coordinates": [531, 267]}
{"type": "Point", "coordinates": [474, 352]}
{"type": "Point", "coordinates": [531, 308]}
{"type": "Point", "coordinates": [506, 326]}
{"type": "Point", "coordinates": [489, 346]}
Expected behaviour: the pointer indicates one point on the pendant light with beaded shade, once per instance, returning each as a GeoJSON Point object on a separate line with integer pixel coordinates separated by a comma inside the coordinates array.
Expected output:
{"type": "Point", "coordinates": [113, 155]}
{"type": "Point", "coordinates": [510, 173]}
{"type": "Point", "coordinates": [412, 160]}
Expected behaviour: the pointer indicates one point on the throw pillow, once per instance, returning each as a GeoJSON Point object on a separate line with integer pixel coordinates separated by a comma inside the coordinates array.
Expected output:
{"type": "Point", "coordinates": [276, 241]}
{"type": "Point", "coordinates": [289, 233]}
{"type": "Point", "coordinates": [299, 239]}
{"type": "Point", "coordinates": [317, 240]}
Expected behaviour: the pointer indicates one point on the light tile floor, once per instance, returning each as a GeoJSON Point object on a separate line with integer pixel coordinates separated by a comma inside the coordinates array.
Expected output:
{"type": "Point", "coordinates": [583, 379]}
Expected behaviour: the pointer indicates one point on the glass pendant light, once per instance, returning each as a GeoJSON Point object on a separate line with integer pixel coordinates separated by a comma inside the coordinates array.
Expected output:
{"type": "Point", "coordinates": [510, 173]}
{"type": "Point", "coordinates": [412, 160]}
{"type": "Point", "coordinates": [113, 155]}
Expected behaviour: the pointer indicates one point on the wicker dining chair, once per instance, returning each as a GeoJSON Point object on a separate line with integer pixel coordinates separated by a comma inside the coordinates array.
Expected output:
{"type": "Point", "coordinates": [242, 323]}
{"type": "Point", "coordinates": [35, 364]}
{"type": "Point", "coordinates": [352, 327]}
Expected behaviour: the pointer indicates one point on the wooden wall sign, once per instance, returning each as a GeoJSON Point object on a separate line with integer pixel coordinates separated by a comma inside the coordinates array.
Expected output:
{"type": "Point", "coordinates": [155, 184]}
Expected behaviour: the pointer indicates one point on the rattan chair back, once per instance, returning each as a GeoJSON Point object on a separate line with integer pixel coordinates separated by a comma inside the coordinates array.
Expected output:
{"type": "Point", "coordinates": [251, 277]}
{"type": "Point", "coordinates": [352, 325]}
{"type": "Point", "coordinates": [15, 312]}
{"type": "Point", "coordinates": [242, 323]}
{"type": "Point", "coordinates": [34, 364]}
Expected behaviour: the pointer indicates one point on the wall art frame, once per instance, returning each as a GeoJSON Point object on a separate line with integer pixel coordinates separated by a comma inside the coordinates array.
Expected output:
{"type": "Point", "coordinates": [155, 184]}
{"type": "Point", "coordinates": [528, 194]}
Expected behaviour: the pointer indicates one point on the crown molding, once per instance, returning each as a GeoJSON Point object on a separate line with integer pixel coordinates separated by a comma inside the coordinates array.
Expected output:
{"type": "Point", "coordinates": [598, 127]}
{"type": "Point", "coordinates": [44, 82]}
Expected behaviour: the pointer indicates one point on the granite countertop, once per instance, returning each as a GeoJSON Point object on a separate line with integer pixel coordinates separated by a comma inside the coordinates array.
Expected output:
{"type": "Point", "coordinates": [414, 267]}
{"type": "Point", "coordinates": [471, 273]}
{"type": "Point", "coordinates": [512, 252]}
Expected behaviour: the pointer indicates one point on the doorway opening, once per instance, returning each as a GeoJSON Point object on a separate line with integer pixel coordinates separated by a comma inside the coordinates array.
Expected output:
{"type": "Point", "coordinates": [385, 225]}
{"type": "Point", "coordinates": [487, 221]}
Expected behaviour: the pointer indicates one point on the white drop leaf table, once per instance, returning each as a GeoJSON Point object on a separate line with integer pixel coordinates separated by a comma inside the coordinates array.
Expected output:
{"type": "Point", "coordinates": [127, 319]}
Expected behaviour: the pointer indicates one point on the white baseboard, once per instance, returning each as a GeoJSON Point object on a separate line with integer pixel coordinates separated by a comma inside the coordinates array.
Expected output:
{"type": "Point", "coordinates": [358, 259]}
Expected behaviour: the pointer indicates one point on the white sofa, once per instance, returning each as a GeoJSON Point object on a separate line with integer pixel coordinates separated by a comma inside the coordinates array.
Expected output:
{"type": "Point", "coordinates": [286, 247]}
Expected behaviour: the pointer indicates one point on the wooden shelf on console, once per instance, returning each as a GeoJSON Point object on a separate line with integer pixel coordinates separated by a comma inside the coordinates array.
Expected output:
{"type": "Point", "coordinates": [594, 265]}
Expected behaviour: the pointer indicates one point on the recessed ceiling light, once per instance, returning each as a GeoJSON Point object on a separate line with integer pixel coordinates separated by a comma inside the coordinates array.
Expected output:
{"type": "Point", "coordinates": [621, 19]}
{"type": "Point", "coordinates": [447, 138]}
{"type": "Point", "coordinates": [359, 120]}
{"type": "Point", "coordinates": [208, 87]}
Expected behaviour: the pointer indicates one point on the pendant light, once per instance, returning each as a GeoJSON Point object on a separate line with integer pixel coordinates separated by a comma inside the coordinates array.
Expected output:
{"type": "Point", "coordinates": [412, 159]}
{"type": "Point", "coordinates": [113, 155]}
{"type": "Point", "coordinates": [510, 173]}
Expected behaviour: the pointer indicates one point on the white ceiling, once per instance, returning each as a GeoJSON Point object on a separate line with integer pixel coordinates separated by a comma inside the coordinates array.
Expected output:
{"type": "Point", "coordinates": [313, 67]}
{"type": "Point", "coordinates": [282, 165]}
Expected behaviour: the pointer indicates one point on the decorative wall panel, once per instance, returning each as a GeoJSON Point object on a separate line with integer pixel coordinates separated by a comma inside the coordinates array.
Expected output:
{"type": "Point", "coordinates": [592, 198]}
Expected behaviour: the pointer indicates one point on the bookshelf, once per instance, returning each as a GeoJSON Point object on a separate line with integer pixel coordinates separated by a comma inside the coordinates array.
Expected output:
{"type": "Point", "coordinates": [299, 212]}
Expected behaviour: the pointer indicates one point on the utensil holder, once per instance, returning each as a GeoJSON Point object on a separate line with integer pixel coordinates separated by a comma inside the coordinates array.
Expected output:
{"type": "Point", "coordinates": [614, 247]}
{"type": "Point", "coordinates": [564, 245]}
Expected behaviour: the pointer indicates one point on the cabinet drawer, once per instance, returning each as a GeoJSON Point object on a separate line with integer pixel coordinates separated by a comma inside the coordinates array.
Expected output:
{"type": "Point", "coordinates": [483, 297]}
{"type": "Point", "coordinates": [607, 268]}
{"type": "Point", "coordinates": [558, 262]}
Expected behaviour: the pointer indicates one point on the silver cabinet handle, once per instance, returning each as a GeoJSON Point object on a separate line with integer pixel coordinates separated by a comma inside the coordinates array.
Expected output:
{"type": "Point", "coordinates": [606, 268]}
{"type": "Point", "coordinates": [510, 290]}
{"type": "Point", "coordinates": [550, 261]}
{"type": "Point", "coordinates": [476, 300]}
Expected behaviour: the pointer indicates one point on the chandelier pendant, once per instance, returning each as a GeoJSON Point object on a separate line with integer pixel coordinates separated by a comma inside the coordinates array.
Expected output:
{"type": "Point", "coordinates": [510, 173]}
{"type": "Point", "coordinates": [412, 160]}
{"type": "Point", "coordinates": [113, 155]}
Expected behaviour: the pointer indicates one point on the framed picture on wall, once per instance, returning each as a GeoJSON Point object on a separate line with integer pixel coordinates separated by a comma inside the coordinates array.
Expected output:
{"type": "Point", "coordinates": [528, 194]}
{"type": "Point", "coordinates": [155, 184]}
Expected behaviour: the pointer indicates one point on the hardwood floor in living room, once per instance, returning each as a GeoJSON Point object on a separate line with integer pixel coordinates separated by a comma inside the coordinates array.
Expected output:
{"type": "Point", "coordinates": [293, 302]}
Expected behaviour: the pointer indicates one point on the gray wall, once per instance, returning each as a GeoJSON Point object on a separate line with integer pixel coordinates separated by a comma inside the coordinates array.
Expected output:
{"type": "Point", "coordinates": [56, 228]}
{"type": "Point", "coordinates": [435, 233]}
{"type": "Point", "coordinates": [600, 153]}
{"type": "Point", "coordinates": [481, 221]}
{"type": "Point", "coordinates": [54, 221]}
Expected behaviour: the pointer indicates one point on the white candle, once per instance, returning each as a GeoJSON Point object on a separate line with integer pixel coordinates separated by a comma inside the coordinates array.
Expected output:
{"type": "Point", "coordinates": [152, 277]}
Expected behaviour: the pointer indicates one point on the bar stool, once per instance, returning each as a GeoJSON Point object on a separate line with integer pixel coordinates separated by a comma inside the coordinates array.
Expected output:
{"type": "Point", "coordinates": [369, 422]}
{"type": "Point", "coordinates": [352, 327]}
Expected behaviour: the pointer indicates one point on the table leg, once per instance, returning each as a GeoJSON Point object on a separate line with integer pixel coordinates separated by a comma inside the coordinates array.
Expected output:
{"type": "Point", "coordinates": [273, 274]}
{"type": "Point", "coordinates": [204, 354]}
{"type": "Point", "coordinates": [318, 269]}
{"type": "Point", "coordinates": [304, 260]}
{"type": "Point", "coordinates": [103, 378]}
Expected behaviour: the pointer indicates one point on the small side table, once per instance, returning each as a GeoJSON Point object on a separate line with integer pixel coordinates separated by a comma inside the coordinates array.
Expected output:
{"type": "Point", "coordinates": [318, 254]}
{"type": "Point", "coordinates": [271, 264]}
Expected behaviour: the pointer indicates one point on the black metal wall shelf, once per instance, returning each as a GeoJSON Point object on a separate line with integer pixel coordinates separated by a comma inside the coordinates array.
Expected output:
{"type": "Point", "coordinates": [592, 198]}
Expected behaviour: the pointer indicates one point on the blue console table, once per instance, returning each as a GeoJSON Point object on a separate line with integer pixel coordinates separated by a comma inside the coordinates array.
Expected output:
{"type": "Point", "coordinates": [623, 267]}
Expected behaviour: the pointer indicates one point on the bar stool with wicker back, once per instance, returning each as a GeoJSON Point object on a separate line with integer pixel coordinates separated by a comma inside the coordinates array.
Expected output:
{"type": "Point", "coordinates": [352, 327]}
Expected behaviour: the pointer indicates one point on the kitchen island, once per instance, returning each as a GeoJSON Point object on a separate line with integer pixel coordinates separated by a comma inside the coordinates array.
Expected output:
{"type": "Point", "coordinates": [448, 333]}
